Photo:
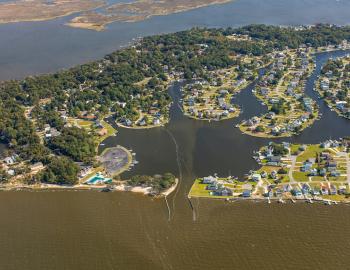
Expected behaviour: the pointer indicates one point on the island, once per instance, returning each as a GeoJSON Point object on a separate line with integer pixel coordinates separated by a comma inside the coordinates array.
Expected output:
{"type": "Point", "coordinates": [315, 172]}
{"type": "Point", "coordinates": [138, 10]}
{"type": "Point", "coordinates": [334, 85]}
{"type": "Point", "coordinates": [42, 10]}
{"type": "Point", "coordinates": [53, 124]}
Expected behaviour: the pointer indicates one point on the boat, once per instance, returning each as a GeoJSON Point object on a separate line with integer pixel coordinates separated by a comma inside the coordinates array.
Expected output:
{"type": "Point", "coordinates": [327, 202]}
{"type": "Point", "coordinates": [106, 189]}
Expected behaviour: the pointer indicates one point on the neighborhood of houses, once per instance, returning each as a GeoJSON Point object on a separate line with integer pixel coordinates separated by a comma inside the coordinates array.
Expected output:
{"type": "Point", "coordinates": [334, 85]}
{"type": "Point", "coordinates": [319, 172]}
{"type": "Point", "coordinates": [282, 90]}
{"type": "Point", "coordinates": [212, 98]}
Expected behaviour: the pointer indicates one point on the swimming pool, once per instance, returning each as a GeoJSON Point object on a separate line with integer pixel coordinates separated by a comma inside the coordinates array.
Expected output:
{"type": "Point", "coordinates": [98, 179]}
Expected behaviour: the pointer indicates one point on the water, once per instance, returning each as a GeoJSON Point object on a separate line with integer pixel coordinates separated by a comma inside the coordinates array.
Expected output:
{"type": "Point", "coordinates": [39, 47]}
{"type": "Point", "coordinates": [218, 147]}
{"type": "Point", "coordinates": [91, 230]}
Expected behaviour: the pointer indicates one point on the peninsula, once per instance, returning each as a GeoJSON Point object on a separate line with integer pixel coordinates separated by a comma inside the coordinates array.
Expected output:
{"type": "Point", "coordinates": [334, 85]}
{"type": "Point", "coordinates": [53, 124]}
{"type": "Point", "coordinates": [317, 172]}
{"type": "Point", "coordinates": [282, 91]}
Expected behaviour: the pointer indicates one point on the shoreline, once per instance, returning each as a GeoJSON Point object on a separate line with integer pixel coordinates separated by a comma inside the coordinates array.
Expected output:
{"type": "Point", "coordinates": [142, 127]}
{"type": "Point", "coordinates": [97, 21]}
{"type": "Point", "coordinates": [273, 200]}
{"type": "Point", "coordinates": [126, 166]}
{"type": "Point", "coordinates": [233, 116]}
{"type": "Point", "coordinates": [84, 187]}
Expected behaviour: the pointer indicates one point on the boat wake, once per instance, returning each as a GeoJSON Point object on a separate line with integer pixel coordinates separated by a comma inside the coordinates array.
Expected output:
{"type": "Point", "coordinates": [178, 161]}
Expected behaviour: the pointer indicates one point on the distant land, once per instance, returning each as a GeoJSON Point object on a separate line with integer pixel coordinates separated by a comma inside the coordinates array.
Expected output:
{"type": "Point", "coordinates": [42, 10]}
{"type": "Point", "coordinates": [139, 10]}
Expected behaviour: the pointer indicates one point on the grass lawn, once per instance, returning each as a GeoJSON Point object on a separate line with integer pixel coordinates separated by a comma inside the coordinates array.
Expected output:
{"type": "Point", "coordinates": [199, 190]}
{"type": "Point", "coordinates": [268, 169]}
{"type": "Point", "coordinates": [339, 178]}
{"type": "Point", "coordinates": [110, 131]}
{"type": "Point", "coordinates": [317, 178]}
{"type": "Point", "coordinates": [310, 152]}
{"type": "Point", "coordinates": [300, 176]}
{"type": "Point", "coordinates": [334, 197]}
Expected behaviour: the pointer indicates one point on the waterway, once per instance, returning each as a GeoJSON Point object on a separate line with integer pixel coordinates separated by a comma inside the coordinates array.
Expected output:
{"type": "Point", "coordinates": [90, 230]}
{"type": "Point", "coordinates": [41, 47]}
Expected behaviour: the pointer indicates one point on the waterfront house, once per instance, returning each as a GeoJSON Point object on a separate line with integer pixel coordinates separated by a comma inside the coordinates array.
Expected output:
{"type": "Point", "coordinates": [156, 121]}
{"type": "Point", "coordinates": [315, 191]}
{"type": "Point", "coordinates": [102, 132]}
{"type": "Point", "coordinates": [278, 192]}
{"type": "Point", "coordinates": [296, 192]}
{"type": "Point", "coordinates": [302, 147]}
{"type": "Point", "coordinates": [276, 159]}
{"type": "Point", "coordinates": [276, 130]}
{"type": "Point", "coordinates": [270, 115]}
{"type": "Point", "coordinates": [274, 100]}
{"type": "Point", "coordinates": [264, 91]}
{"type": "Point", "coordinates": [246, 193]}
{"type": "Point", "coordinates": [263, 174]}
{"type": "Point", "coordinates": [325, 144]}
{"type": "Point", "coordinates": [305, 189]}
{"type": "Point", "coordinates": [11, 172]}
{"type": "Point", "coordinates": [333, 190]}
{"type": "Point", "coordinates": [256, 177]}
{"type": "Point", "coordinates": [10, 160]}
{"type": "Point", "coordinates": [269, 193]}
{"type": "Point", "coordinates": [213, 186]}
{"type": "Point", "coordinates": [342, 190]}
{"type": "Point", "coordinates": [324, 190]}
{"type": "Point", "coordinates": [208, 180]}
{"type": "Point", "coordinates": [223, 192]}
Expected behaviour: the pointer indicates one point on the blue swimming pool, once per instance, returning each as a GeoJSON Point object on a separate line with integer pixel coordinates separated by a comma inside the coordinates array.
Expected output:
{"type": "Point", "coordinates": [98, 179]}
